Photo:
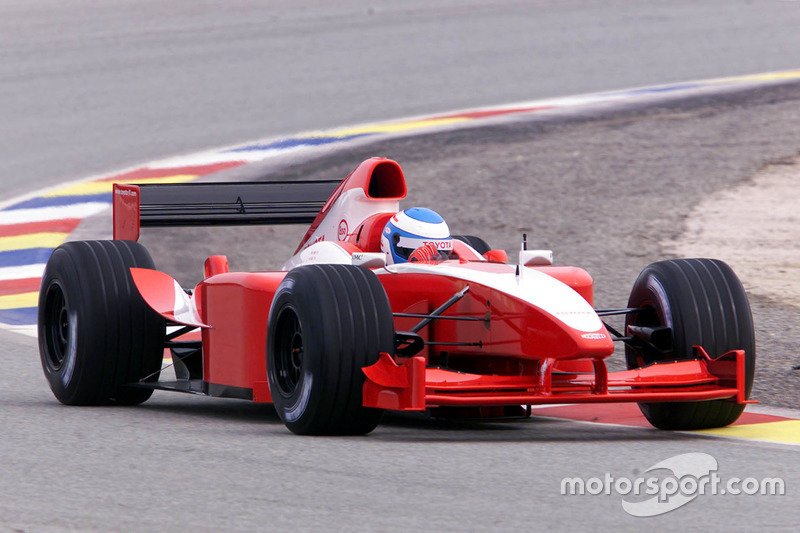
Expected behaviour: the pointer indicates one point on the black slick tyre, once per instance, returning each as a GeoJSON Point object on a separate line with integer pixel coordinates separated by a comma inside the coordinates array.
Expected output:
{"type": "Point", "coordinates": [326, 323]}
{"type": "Point", "coordinates": [704, 304]}
{"type": "Point", "coordinates": [477, 243]}
{"type": "Point", "coordinates": [96, 334]}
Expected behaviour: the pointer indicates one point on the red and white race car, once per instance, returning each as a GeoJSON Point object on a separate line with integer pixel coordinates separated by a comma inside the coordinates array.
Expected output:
{"type": "Point", "coordinates": [349, 328]}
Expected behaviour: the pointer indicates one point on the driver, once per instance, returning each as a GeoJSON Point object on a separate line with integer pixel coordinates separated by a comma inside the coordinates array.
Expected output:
{"type": "Point", "coordinates": [412, 229]}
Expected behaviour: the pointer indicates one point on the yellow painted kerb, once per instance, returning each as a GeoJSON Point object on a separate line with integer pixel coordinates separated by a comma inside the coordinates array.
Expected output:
{"type": "Point", "coordinates": [32, 240]}
{"type": "Point", "coordinates": [100, 187]}
{"type": "Point", "coordinates": [785, 431]}
{"type": "Point", "coordinates": [395, 127]}
{"type": "Point", "coordinates": [16, 301]}
{"type": "Point", "coordinates": [768, 76]}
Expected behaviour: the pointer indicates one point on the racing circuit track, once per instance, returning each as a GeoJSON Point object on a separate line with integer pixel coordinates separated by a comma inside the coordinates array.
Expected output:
{"type": "Point", "coordinates": [608, 188]}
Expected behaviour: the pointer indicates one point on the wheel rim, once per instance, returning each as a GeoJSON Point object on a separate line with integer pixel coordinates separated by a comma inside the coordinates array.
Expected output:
{"type": "Point", "coordinates": [57, 325]}
{"type": "Point", "coordinates": [289, 352]}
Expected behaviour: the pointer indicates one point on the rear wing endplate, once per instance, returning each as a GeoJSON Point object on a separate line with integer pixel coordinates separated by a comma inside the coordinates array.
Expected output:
{"type": "Point", "coordinates": [217, 204]}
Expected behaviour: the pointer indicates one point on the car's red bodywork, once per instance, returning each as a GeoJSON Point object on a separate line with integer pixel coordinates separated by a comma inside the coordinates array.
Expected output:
{"type": "Point", "coordinates": [527, 339]}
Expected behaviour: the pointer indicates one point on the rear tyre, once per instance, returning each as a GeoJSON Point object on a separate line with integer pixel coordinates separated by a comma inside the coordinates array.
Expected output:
{"type": "Point", "coordinates": [477, 243]}
{"type": "Point", "coordinates": [96, 334]}
{"type": "Point", "coordinates": [704, 304]}
{"type": "Point", "coordinates": [326, 323]}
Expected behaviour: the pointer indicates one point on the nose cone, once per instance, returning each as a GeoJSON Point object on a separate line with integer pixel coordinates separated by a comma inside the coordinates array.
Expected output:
{"type": "Point", "coordinates": [595, 344]}
{"type": "Point", "coordinates": [564, 325]}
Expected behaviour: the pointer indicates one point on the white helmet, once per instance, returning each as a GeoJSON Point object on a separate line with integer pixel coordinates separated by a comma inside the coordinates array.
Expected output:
{"type": "Point", "coordinates": [411, 229]}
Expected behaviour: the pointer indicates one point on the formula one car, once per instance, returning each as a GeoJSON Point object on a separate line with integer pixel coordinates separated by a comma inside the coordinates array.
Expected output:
{"type": "Point", "coordinates": [381, 309]}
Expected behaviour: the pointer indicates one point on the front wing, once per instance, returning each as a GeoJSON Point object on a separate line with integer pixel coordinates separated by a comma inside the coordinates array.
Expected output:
{"type": "Point", "coordinates": [410, 386]}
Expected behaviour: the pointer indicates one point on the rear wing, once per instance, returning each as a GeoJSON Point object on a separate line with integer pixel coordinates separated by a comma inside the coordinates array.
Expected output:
{"type": "Point", "coordinates": [217, 204]}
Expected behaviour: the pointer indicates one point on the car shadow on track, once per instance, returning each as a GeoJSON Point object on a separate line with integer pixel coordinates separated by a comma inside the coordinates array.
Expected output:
{"type": "Point", "coordinates": [415, 428]}
{"type": "Point", "coordinates": [394, 427]}
{"type": "Point", "coordinates": [403, 428]}
{"type": "Point", "coordinates": [212, 408]}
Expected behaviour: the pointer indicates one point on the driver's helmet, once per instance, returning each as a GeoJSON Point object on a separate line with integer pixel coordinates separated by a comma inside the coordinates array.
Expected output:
{"type": "Point", "coordinates": [411, 229]}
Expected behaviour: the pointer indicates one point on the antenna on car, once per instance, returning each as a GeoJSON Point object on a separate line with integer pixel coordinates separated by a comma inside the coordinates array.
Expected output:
{"type": "Point", "coordinates": [524, 241]}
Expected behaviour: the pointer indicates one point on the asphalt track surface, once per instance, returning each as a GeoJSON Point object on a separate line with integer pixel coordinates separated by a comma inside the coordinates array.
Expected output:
{"type": "Point", "coordinates": [180, 463]}
{"type": "Point", "coordinates": [87, 86]}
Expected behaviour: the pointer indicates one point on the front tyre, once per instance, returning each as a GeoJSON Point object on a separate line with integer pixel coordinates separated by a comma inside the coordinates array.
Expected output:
{"type": "Point", "coordinates": [326, 323]}
{"type": "Point", "coordinates": [96, 334]}
{"type": "Point", "coordinates": [704, 304]}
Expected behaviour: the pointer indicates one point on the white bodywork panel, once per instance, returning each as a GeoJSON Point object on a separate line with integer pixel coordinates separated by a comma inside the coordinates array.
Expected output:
{"type": "Point", "coordinates": [538, 289]}
{"type": "Point", "coordinates": [349, 211]}
{"type": "Point", "coordinates": [322, 252]}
